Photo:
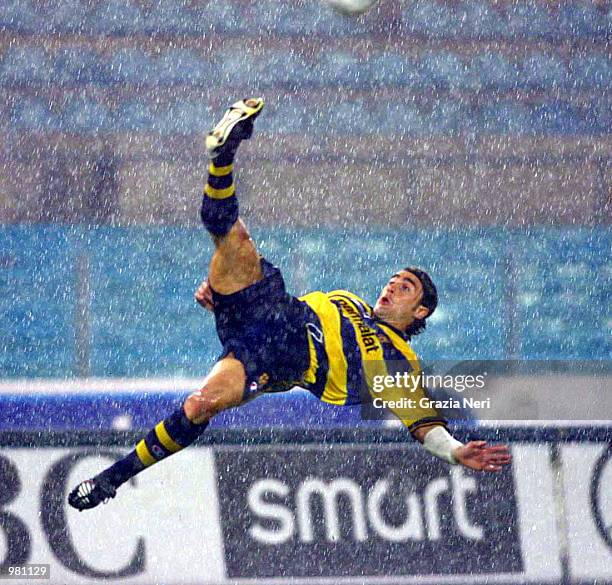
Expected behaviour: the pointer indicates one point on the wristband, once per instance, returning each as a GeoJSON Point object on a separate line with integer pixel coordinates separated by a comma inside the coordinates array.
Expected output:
{"type": "Point", "coordinates": [440, 443]}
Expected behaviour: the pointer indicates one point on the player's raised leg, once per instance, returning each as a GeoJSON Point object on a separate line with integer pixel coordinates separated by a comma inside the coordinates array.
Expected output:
{"type": "Point", "coordinates": [235, 265]}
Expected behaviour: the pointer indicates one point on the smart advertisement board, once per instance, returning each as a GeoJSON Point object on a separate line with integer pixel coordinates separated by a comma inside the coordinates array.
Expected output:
{"type": "Point", "coordinates": [363, 510]}
{"type": "Point", "coordinates": [319, 513]}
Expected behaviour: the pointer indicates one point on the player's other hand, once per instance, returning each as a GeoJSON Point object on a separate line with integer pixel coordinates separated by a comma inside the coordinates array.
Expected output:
{"type": "Point", "coordinates": [482, 457]}
{"type": "Point", "coordinates": [203, 295]}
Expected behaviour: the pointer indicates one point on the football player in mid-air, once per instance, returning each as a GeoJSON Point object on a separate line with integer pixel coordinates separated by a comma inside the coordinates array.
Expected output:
{"type": "Point", "coordinates": [334, 344]}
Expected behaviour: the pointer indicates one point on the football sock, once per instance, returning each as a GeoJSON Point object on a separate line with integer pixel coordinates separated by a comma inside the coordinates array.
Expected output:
{"type": "Point", "coordinates": [169, 436]}
{"type": "Point", "coordinates": [219, 209]}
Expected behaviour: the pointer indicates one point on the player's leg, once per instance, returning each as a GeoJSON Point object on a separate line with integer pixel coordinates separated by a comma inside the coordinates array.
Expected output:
{"type": "Point", "coordinates": [235, 266]}
{"type": "Point", "coordinates": [235, 263]}
{"type": "Point", "coordinates": [223, 388]}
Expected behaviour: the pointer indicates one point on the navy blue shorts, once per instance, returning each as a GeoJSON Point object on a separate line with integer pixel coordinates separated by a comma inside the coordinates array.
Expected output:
{"type": "Point", "coordinates": [265, 328]}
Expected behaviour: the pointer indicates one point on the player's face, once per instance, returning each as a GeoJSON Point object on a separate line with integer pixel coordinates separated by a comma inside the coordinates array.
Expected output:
{"type": "Point", "coordinates": [399, 302]}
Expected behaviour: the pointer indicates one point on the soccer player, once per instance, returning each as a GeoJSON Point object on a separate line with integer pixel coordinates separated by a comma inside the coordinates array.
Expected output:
{"type": "Point", "coordinates": [334, 344]}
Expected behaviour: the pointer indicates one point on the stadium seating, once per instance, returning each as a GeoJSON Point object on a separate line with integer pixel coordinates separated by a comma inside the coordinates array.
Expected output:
{"type": "Point", "coordinates": [432, 19]}
{"type": "Point", "coordinates": [342, 68]}
{"type": "Point", "coordinates": [435, 68]}
{"type": "Point", "coordinates": [492, 70]}
{"type": "Point", "coordinates": [542, 71]}
{"type": "Point", "coordinates": [134, 116]}
{"type": "Point", "coordinates": [581, 19]}
{"type": "Point", "coordinates": [77, 65]}
{"type": "Point", "coordinates": [182, 117]}
{"type": "Point", "coordinates": [394, 69]}
{"type": "Point", "coordinates": [530, 20]}
{"type": "Point", "coordinates": [486, 57]}
{"type": "Point", "coordinates": [227, 18]}
{"type": "Point", "coordinates": [505, 117]}
{"type": "Point", "coordinates": [591, 70]}
{"type": "Point", "coordinates": [144, 321]}
{"type": "Point", "coordinates": [84, 115]}
{"type": "Point", "coordinates": [67, 17]}
{"type": "Point", "coordinates": [32, 114]}
{"type": "Point", "coordinates": [25, 66]}
{"type": "Point", "coordinates": [185, 67]}
{"type": "Point", "coordinates": [131, 66]}
{"type": "Point", "coordinates": [557, 118]}
{"type": "Point", "coordinates": [172, 17]}
{"type": "Point", "coordinates": [444, 69]}
{"type": "Point", "coordinates": [287, 70]}
{"type": "Point", "coordinates": [116, 17]}
{"type": "Point", "coordinates": [20, 16]}
{"type": "Point", "coordinates": [436, 117]}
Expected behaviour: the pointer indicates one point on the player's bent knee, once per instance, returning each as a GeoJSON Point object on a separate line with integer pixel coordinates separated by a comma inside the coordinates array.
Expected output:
{"type": "Point", "coordinates": [203, 405]}
{"type": "Point", "coordinates": [223, 389]}
{"type": "Point", "coordinates": [219, 215]}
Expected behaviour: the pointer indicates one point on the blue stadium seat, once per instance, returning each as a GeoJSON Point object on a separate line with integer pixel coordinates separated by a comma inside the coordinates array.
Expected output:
{"type": "Point", "coordinates": [20, 16]}
{"type": "Point", "coordinates": [529, 19]}
{"type": "Point", "coordinates": [25, 65]}
{"type": "Point", "coordinates": [505, 118]}
{"type": "Point", "coordinates": [73, 65]}
{"type": "Point", "coordinates": [343, 68]}
{"type": "Point", "coordinates": [134, 115]}
{"type": "Point", "coordinates": [581, 19]}
{"type": "Point", "coordinates": [557, 118]}
{"type": "Point", "coordinates": [184, 66]}
{"type": "Point", "coordinates": [131, 65]}
{"type": "Point", "coordinates": [33, 114]}
{"type": "Point", "coordinates": [395, 69]}
{"type": "Point", "coordinates": [171, 17]}
{"type": "Point", "coordinates": [542, 71]}
{"type": "Point", "coordinates": [350, 118]}
{"type": "Point", "coordinates": [189, 117]}
{"type": "Point", "coordinates": [289, 116]}
{"type": "Point", "coordinates": [286, 68]}
{"type": "Point", "coordinates": [598, 116]}
{"type": "Point", "coordinates": [565, 266]}
{"type": "Point", "coordinates": [399, 119]}
{"type": "Point", "coordinates": [117, 17]}
{"type": "Point", "coordinates": [85, 115]}
{"type": "Point", "coordinates": [236, 67]}
{"type": "Point", "coordinates": [494, 71]}
{"type": "Point", "coordinates": [591, 70]}
{"type": "Point", "coordinates": [478, 20]}
{"type": "Point", "coordinates": [68, 16]}
{"type": "Point", "coordinates": [225, 16]}
{"type": "Point", "coordinates": [446, 117]}
{"type": "Point", "coordinates": [430, 19]}
{"type": "Point", "coordinates": [446, 70]}
{"type": "Point", "coordinates": [280, 18]}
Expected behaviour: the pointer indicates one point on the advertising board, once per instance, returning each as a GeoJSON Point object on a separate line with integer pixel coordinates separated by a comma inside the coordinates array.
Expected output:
{"type": "Point", "coordinates": [314, 513]}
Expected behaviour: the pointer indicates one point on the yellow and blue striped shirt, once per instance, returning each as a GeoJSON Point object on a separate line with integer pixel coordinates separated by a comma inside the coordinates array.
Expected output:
{"type": "Point", "coordinates": [349, 348]}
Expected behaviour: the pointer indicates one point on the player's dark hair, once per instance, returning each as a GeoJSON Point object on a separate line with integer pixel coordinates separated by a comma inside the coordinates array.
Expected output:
{"type": "Point", "coordinates": [429, 300]}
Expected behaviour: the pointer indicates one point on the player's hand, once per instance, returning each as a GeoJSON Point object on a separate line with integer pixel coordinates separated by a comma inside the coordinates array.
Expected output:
{"type": "Point", "coordinates": [482, 457]}
{"type": "Point", "coordinates": [203, 295]}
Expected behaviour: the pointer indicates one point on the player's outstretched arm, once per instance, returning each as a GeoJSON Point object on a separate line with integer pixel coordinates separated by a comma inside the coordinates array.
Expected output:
{"type": "Point", "coordinates": [477, 455]}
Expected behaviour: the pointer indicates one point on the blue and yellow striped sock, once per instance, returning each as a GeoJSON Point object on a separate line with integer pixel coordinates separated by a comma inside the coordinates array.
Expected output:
{"type": "Point", "coordinates": [168, 437]}
{"type": "Point", "coordinates": [219, 209]}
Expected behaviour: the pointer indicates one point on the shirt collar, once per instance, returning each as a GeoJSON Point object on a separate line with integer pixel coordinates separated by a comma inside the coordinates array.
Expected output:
{"type": "Point", "coordinates": [401, 333]}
